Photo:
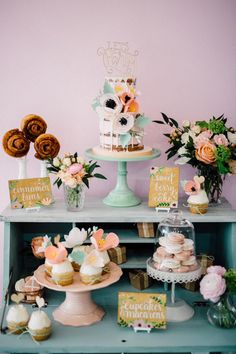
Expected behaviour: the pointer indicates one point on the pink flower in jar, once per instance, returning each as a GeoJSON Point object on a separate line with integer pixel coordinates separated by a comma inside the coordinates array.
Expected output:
{"type": "Point", "coordinates": [216, 270]}
{"type": "Point", "coordinates": [212, 286]}
{"type": "Point", "coordinates": [221, 140]}
{"type": "Point", "coordinates": [75, 168]}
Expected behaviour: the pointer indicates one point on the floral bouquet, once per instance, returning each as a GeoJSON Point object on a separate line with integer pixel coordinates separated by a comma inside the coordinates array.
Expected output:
{"type": "Point", "coordinates": [74, 172]}
{"type": "Point", "coordinates": [216, 286]}
{"type": "Point", "coordinates": [210, 146]}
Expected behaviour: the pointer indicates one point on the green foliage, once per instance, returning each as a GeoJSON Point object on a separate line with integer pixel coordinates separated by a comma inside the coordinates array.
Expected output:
{"type": "Point", "coordinates": [230, 277]}
{"type": "Point", "coordinates": [217, 125]}
{"type": "Point", "coordinates": [122, 322]}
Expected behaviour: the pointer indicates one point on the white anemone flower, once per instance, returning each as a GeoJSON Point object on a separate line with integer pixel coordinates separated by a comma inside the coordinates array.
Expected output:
{"type": "Point", "coordinates": [111, 103]}
{"type": "Point", "coordinates": [75, 238]}
{"type": "Point", "coordinates": [122, 123]}
{"type": "Point", "coordinates": [185, 136]}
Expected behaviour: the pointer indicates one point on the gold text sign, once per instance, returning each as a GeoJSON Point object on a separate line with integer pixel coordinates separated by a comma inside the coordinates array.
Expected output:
{"type": "Point", "coordinates": [139, 310]}
{"type": "Point", "coordinates": [30, 192]}
{"type": "Point", "coordinates": [164, 187]}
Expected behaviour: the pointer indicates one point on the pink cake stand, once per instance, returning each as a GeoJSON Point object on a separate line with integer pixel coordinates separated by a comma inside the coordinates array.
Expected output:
{"type": "Point", "coordinates": [78, 309]}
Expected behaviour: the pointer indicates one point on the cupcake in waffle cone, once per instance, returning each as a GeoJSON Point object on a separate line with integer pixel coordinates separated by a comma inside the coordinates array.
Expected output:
{"type": "Point", "coordinates": [91, 269]}
{"type": "Point", "coordinates": [17, 319]}
{"type": "Point", "coordinates": [39, 325]}
{"type": "Point", "coordinates": [197, 200]}
{"type": "Point", "coordinates": [62, 273]}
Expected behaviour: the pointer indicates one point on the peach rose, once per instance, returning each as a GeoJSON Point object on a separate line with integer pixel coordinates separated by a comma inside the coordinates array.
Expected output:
{"type": "Point", "coordinates": [206, 152]}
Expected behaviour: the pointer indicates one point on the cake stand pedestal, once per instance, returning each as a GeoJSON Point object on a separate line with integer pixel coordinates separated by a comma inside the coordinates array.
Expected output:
{"type": "Point", "coordinates": [122, 195]}
{"type": "Point", "coordinates": [177, 309]}
{"type": "Point", "coordinates": [78, 308]}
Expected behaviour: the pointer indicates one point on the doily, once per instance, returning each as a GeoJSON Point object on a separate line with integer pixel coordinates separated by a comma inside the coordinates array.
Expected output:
{"type": "Point", "coordinates": [173, 277]}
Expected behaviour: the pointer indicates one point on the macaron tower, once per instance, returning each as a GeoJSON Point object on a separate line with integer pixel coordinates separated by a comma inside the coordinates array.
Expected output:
{"type": "Point", "coordinates": [176, 249]}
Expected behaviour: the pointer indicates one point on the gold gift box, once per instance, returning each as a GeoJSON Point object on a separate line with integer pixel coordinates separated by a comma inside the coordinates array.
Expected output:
{"type": "Point", "coordinates": [139, 279]}
{"type": "Point", "coordinates": [146, 229]}
{"type": "Point", "coordinates": [117, 254]}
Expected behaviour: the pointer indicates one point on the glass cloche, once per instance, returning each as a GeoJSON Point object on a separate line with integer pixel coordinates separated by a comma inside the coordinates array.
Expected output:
{"type": "Point", "coordinates": [175, 248]}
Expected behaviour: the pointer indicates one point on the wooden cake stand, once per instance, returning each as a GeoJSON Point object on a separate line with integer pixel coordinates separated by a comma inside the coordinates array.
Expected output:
{"type": "Point", "coordinates": [78, 309]}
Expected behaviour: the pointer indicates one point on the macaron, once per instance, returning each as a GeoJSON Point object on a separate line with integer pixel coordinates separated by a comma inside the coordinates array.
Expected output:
{"type": "Point", "coordinates": [173, 249]}
{"type": "Point", "coordinates": [175, 237]}
{"type": "Point", "coordinates": [161, 251]}
{"type": "Point", "coordinates": [181, 269]}
{"type": "Point", "coordinates": [190, 261]}
{"type": "Point", "coordinates": [183, 256]}
{"type": "Point", "coordinates": [170, 263]}
{"type": "Point", "coordinates": [188, 245]}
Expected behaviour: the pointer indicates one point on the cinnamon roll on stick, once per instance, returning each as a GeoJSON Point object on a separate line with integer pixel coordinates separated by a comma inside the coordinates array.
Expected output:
{"type": "Point", "coordinates": [33, 126]}
{"type": "Point", "coordinates": [15, 143]}
{"type": "Point", "coordinates": [46, 146]}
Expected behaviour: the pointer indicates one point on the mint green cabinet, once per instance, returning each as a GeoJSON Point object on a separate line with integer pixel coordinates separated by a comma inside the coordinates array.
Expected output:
{"type": "Point", "coordinates": [215, 234]}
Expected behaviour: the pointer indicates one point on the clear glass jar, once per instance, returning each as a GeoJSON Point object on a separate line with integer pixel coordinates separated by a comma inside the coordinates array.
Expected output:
{"type": "Point", "coordinates": [222, 313]}
{"type": "Point", "coordinates": [175, 247]}
{"type": "Point", "coordinates": [74, 197]}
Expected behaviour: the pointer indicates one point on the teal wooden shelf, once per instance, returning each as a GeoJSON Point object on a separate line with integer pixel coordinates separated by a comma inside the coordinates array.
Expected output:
{"type": "Point", "coordinates": [215, 235]}
{"type": "Point", "coordinates": [195, 335]}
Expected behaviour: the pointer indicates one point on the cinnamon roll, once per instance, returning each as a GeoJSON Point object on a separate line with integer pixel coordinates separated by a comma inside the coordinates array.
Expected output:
{"type": "Point", "coordinates": [15, 143]}
{"type": "Point", "coordinates": [46, 146]}
{"type": "Point", "coordinates": [33, 126]}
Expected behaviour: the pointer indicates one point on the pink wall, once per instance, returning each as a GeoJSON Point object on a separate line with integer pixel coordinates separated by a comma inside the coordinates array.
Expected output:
{"type": "Point", "coordinates": [49, 66]}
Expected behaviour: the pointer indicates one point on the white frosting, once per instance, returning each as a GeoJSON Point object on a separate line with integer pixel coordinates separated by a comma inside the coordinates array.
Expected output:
{"type": "Point", "coordinates": [48, 263]}
{"type": "Point", "coordinates": [200, 198]}
{"type": "Point", "coordinates": [63, 267]}
{"type": "Point", "coordinates": [17, 313]}
{"type": "Point", "coordinates": [105, 257]}
{"type": "Point", "coordinates": [38, 320]}
{"type": "Point", "coordinates": [87, 269]}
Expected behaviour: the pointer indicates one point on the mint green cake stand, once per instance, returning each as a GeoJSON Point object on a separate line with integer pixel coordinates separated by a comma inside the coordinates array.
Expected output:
{"type": "Point", "coordinates": [122, 196]}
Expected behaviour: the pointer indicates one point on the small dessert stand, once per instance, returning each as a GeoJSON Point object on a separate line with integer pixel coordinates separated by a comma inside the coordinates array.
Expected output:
{"type": "Point", "coordinates": [177, 309]}
{"type": "Point", "coordinates": [78, 309]}
{"type": "Point", "coordinates": [122, 195]}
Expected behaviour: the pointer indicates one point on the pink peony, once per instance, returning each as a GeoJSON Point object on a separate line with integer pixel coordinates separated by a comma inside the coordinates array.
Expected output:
{"type": "Point", "coordinates": [216, 270]}
{"type": "Point", "coordinates": [221, 140]}
{"type": "Point", "coordinates": [212, 286]}
{"type": "Point", "coordinates": [75, 168]}
{"type": "Point", "coordinates": [202, 138]}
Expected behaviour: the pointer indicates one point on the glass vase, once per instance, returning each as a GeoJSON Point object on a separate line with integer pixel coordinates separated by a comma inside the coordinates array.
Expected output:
{"type": "Point", "coordinates": [74, 197]}
{"type": "Point", "coordinates": [213, 182]}
{"type": "Point", "coordinates": [222, 313]}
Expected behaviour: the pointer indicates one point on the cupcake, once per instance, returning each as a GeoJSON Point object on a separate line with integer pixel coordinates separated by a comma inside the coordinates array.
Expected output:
{"type": "Point", "coordinates": [39, 325]}
{"type": "Point", "coordinates": [91, 268]}
{"type": "Point", "coordinates": [102, 243]}
{"type": "Point", "coordinates": [197, 200]}
{"type": "Point", "coordinates": [77, 256]}
{"type": "Point", "coordinates": [17, 318]}
{"type": "Point", "coordinates": [62, 271]}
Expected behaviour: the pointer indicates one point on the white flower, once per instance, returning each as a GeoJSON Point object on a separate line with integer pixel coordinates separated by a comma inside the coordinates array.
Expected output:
{"type": "Point", "coordinates": [196, 129]}
{"type": "Point", "coordinates": [56, 162]}
{"type": "Point", "coordinates": [66, 161]}
{"type": "Point", "coordinates": [185, 136]}
{"type": "Point", "coordinates": [122, 123]}
{"type": "Point", "coordinates": [70, 182]}
{"type": "Point", "coordinates": [186, 124]}
{"type": "Point", "coordinates": [111, 103]}
{"type": "Point", "coordinates": [73, 159]}
{"type": "Point", "coordinates": [182, 160]}
{"type": "Point", "coordinates": [182, 151]}
{"type": "Point", "coordinates": [75, 238]}
{"type": "Point", "coordinates": [231, 137]}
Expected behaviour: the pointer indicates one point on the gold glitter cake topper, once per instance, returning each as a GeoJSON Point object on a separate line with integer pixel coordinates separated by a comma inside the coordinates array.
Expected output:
{"type": "Point", "coordinates": [117, 59]}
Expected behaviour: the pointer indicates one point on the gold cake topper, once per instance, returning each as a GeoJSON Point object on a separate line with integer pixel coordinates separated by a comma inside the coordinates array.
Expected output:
{"type": "Point", "coordinates": [117, 59]}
